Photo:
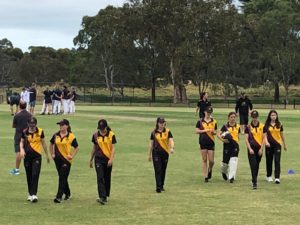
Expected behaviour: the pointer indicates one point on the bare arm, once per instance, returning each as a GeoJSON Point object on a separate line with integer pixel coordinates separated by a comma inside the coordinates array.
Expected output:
{"type": "Point", "coordinates": [92, 156]}
{"type": "Point", "coordinates": [150, 148]}
{"type": "Point", "coordinates": [109, 163]}
{"type": "Point", "coordinates": [22, 151]}
{"type": "Point", "coordinates": [283, 140]}
{"type": "Point", "coordinates": [171, 145]}
{"type": "Point", "coordinates": [52, 152]}
{"type": "Point", "coordinates": [248, 144]}
{"type": "Point", "coordinates": [45, 149]}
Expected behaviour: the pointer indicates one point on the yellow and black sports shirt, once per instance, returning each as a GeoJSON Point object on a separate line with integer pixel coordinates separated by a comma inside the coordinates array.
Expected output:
{"type": "Point", "coordinates": [64, 144]}
{"type": "Point", "coordinates": [104, 143]}
{"type": "Point", "coordinates": [255, 134]}
{"type": "Point", "coordinates": [273, 134]}
{"type": "Point", "coordinates": [32, 141]}
{"type": "Point", "coordinates": [233, 130]}
{"type": "Point", "coordinates": [161, 139]}
{"type": "Point", "coordinates": [207, 137]}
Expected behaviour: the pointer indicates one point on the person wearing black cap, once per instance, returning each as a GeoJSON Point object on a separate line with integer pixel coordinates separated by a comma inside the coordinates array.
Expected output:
{"type": "Point", "coordinates": [206, 128]}
{"type": "Point", "coordinates": [103, 152]}
{"type": "Point", "coordinates": [61, 151]}
{"type": "Point", "coordinates": [202, 104]}
{"type": "Point", "coordinates": [254, 138]}
{"type": "Point", "coordinates": [242, 108]}
{"type": "Point", "coordinates": [229, 135]}
{"type": "Point", "coordinates": [32, 140]}
{"type": "Point", "coordinates": [161, 143]}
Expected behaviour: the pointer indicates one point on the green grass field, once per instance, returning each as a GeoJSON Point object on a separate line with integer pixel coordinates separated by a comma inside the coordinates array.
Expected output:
{"type": "Point", "coordinates": [187, 200]}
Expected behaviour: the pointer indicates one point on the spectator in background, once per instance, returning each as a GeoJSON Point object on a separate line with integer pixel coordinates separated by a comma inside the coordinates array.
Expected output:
{"type": "Point", "coordinates": [19, 123]}
{"type": "Point", "coordinates": [14, 99]}
{"type": "Point", "coordinates": [25, 97]}
{"type": "Point", "coordinates": [46, 109]}
{"type": "Point", "coordinates": [242, 108]}
{"type": "Point", "coordinates": [32, 98]}
{"type": "Point", "coordinates": [66, 100]}
{"type": "Point", "coordinates": [73, 96]}
{"type": "Point", "coordinates": [202, 104]}
{"type": "Point", "coordinates": [56, 97]}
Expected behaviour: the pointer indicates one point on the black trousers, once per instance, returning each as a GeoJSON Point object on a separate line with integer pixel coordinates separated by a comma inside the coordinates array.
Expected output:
{"type": "Point", "coordinates": [273, 152]}
{"type": "Point", "coordinates": [160, 161]}
{"type": "Point", "coordinates": [230, 151]}
{"type": "Point", "coordinates": [103, 176]}
{"type": "Point", "coordinates": [32, 164]}
{"type": "Point", "coordinates": [254, 161]}
{"type": "Point", "coordinates": [63, 168]}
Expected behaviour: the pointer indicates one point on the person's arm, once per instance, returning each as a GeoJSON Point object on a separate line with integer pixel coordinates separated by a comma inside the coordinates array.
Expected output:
{"type": "Point", "coordinates": [197, 111]}
{"type": "Point", "coordinates": [219, 132]}
{"type": "Point", "coordinates": [237, 105]}
{"type": "Point", "coordinates": [110, 161]}
{"type": "Point", "coordinates": [250, 105]}
{"type": "Point", "coordinates": [150, 148]}
{"type": "Point", "coordinates": [283, 140]}
{"type": "Point", "coordinates": [52, 152]}
{"type": "Point", "coordinates": [22, 151]}
{"type": "Point", "coordinates": [171, 145]}
{"type": "Point", "coordinates": [45, 150]}
{"type": "Point", "coordinates": [92, 155]}
{"type": "Point", "coordinates": [73, 153]}
{"type": "Point", "coordinates": [248, 144]}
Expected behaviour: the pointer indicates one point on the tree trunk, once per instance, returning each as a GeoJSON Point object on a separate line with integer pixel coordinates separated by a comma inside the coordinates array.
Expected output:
{"type": "Point", "coordinates": [276, 92]}
{"type": "Point", "coordinates": [105, 73]}
{"type": "Point", "coordinates": [153, 87]}
{"type": "Point", "coordinates": [178, 86]}
{"type": "Point", "coordinates": [286, 89]}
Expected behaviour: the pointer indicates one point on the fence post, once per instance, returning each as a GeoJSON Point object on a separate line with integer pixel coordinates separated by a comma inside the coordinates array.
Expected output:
{"type": "Point", "coordinates": [294, 103]}
{"type": "Point", "coordinates": [84, 93]}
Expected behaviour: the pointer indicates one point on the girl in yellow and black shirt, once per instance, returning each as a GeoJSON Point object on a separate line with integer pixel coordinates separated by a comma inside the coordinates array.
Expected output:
{"type": "Point", "coordinates": [229, 135]}
{"type": "Point", "coordinates": [103, 151]}
{"type": "Point", "coordinates": [61, 151]}
{"type": "Point", "coordinates": [161, 143]}
{"type": "Point", "coordinates": [31, 144]}
{"type": "Point", "coordinates": [254, 138]}
{"type": "Point", "coordinates": [274, 139]}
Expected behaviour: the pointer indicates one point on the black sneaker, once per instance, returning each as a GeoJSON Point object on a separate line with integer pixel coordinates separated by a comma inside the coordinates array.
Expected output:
{"type": "Point", "coordinates": [254, 186]}
{"type": "Point", "coordinates": [67, 197]}
{"type": "Point", "coordinates": [224, 176]}
{"type": "Point", "coordinates": [158, 190]}
{"type": "Point", "coordinates": [231, 180]}
{"type": "Point", "coordinates": [206, 179]}
{"type": "Point", "coordinates": [209, 174]}
{"type": "Point", "coordinates": [57, 200]}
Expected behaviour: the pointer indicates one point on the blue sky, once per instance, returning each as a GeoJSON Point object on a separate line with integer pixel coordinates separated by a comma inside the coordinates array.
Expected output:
{"type": "Point", "coordinates": [52, 23]}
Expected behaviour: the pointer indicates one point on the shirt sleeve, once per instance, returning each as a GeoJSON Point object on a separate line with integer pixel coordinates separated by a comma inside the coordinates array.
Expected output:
{"type": "Point", "coordinates": [216, 126]}
{"type": "Point", "coordinates": [114, 140]}
{"type": "Point", "coordinates": [94, 140]}
{"type": "Point", "coordinates": [265, 129]}
{"type": "Point", "coordinates": [170, 135]}
{"type": "Point", "coordinates": [198, 124]}
{"type": "Point", "coordinates": [223, 128]}
{"type": "Point", "coordinates": [42, 135]}
{"type": "Point", "coordinates": [74, 143]}
{"type": "Point", "coordinates": [52, 141]}
{"type": "Point", "coordinates": [281, 128]}
{"type": "Point", "coordinates": [247, 130]}
{"type": "Point", "coordinates": [151, 136]}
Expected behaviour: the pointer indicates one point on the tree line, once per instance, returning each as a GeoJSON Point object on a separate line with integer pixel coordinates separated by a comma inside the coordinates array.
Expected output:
{"type": "Point", "coordinates": [149, 42]}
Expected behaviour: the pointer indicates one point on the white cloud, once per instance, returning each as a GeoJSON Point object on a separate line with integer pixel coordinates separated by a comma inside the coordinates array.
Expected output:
{"type": "Point", "coordinates": [51, 23]}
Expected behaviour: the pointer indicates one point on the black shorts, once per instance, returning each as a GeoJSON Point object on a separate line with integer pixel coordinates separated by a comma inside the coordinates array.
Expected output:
{"type": "Point", "coordinates": [17, 145]}
{"type": "Point", "coordinates": [244, 119]}
{"type": "Point", "coordinates": [206, 146]}
{"type": "Point", "coordinates": [17, 102]}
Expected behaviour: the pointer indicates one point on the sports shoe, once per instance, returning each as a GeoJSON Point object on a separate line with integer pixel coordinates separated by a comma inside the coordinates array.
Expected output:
{"type": "Point", "coordinates": [67, 197]}
{"type": "Point", "coordinates": [29, 198]}
{"type": "Point", "coordinates": [206, 180]}
{"type": "Point", "coordinates": [277, 181]}
{"type": "Point", "coordinates": [158, 190]}
{"type": "Point", "coordinates": [15, 172]}
{"type": "Point", "coordinates": [269, 179]}
{"type": "Point", "coordinates": [209, 174]}
{"type": "Point", "coordinates": [102, 201]}
{"type": "Point", "coordinates": [231, 180]}
{"type": "Point", "coordinates": [57, 200]}
{"type": "Point", "coordinates": [254, 186]}
{"type": "Point", "coordinates": [224, 176]}
{"type": "Point", "coordinates": [34, 198]}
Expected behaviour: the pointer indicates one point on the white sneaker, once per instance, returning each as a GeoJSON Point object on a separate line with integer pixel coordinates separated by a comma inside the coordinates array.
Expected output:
{"type": "Point", "coordinates": [269, 179]}
{"type": "Point", "coordinates": [277, 181]}
{"type": "Point", "coordinates": [29, 198]}
{"type": "Point", "coordinates": [34, 198]}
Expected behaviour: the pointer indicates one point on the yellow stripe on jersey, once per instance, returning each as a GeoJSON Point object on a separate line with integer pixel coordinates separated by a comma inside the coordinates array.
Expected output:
{"type": "Point", "coordinates": [64, 144]}
{"type": "Point", "coordinates": [105, 143]}
{"type": "Point", "coordinates": [234, 131]}
{"type": "Point", "coordinates": [257, 133]}
{"type": "Point", "coordinates": [163, 139]}
{"type": "Point", "coordinates": [34, 140]}
{"type": "Point", "coordinates": [275, 134]}
{"type": "Point", "coordinates": [210, 125]}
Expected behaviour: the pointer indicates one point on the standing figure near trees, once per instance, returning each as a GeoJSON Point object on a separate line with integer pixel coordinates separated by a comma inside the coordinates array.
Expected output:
{"type": "Point", "coordinates": [274, 139]}
{"type": "Point", "coordinates": [161, 143]}
{"type": "Point", "coordinates": [206, 128]}
{"type": "Point", "coordinates": [242, 108]}
{"type": "Point", "coordinates": [202, 104]}
{"type": "Point", "coordinates": [254, 138]}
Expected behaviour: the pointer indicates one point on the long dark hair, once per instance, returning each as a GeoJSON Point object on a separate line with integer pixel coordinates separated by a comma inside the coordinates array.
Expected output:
{"type": "Point", "coordinates": [69, 129]}
{"type": "Point", "coordinates": [202, 95]}
{"type": "Point", "coordinates": [268, 121]}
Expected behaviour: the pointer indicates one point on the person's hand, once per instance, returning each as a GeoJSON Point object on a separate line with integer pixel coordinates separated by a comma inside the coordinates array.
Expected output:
{"type": "Point", "coordinates": [53, 156]}
{"type": "Point", "coordinates": [91, 164]}
{"type": "Point", "coordinates": [260, 152]}
{"type": "Point", "coordinates": [267, 144]}
{"type": "Point", "coordinates": [149, 158]}
{"type": "Point", "coordinates": [22, 154]}
{"type": "Point", "coordinates": [172, 150]}
{"type": "Point", "coordinates": [251, 152]}
{"type": "Point", "coordinates": [285, 147]}
{"type": "Point", "coordinates": [69, 157]}
{"type": "Point", "coordinates": [109, 163]}
{"type": "Point", "coordinates": [48, 159]}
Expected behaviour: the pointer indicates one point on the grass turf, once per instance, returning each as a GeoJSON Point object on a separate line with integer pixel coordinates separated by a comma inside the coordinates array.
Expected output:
{"type": "Point", "coordinates": [187, 200]}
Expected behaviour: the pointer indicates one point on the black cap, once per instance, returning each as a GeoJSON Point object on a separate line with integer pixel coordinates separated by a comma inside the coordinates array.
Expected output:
{"type": "Point", "coordinates": [254, 114]}
{"type": "Point", "coordinates": [160, 120]}
{"type": "Point", "coordinates": [32, 121]}
{"type": "Point", "coordinates": [64, 122]}
{"type": "Point", "coordinates": [209, 109]}
{"type": "Point", "coordinates": [102, 124]}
